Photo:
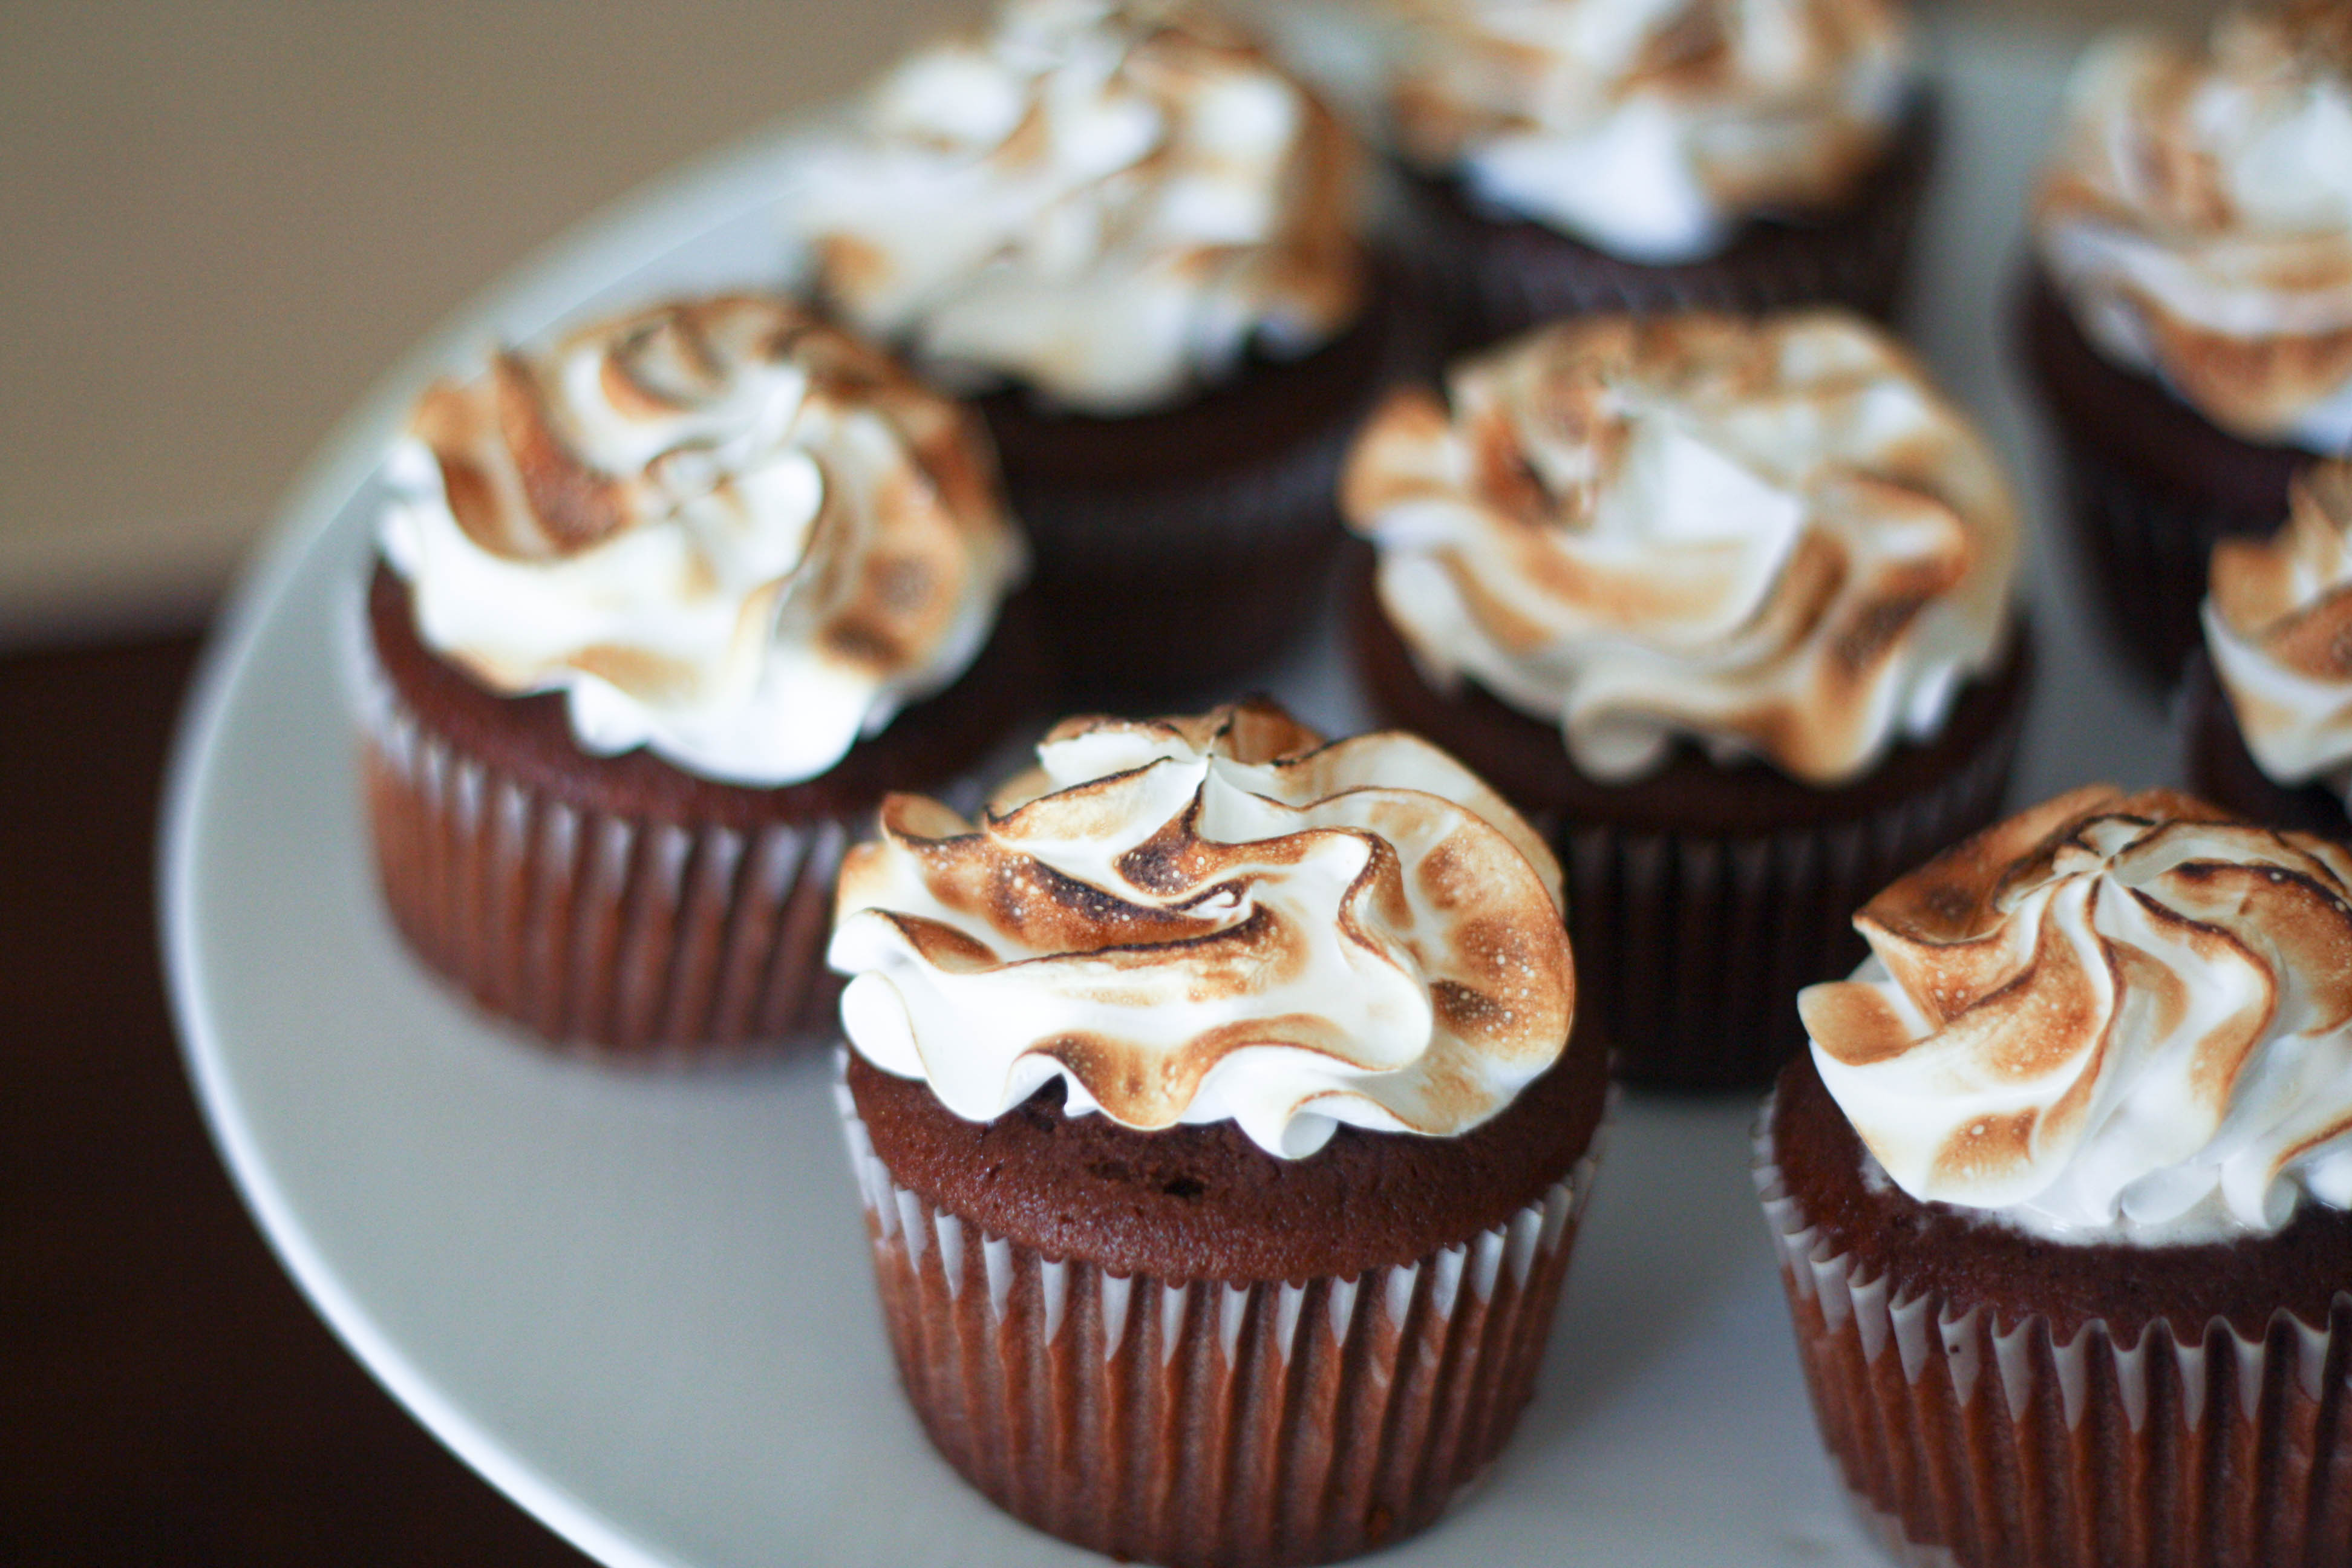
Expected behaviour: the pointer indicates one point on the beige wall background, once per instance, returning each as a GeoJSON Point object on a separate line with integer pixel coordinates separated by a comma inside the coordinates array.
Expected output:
{"type": "Point", "coordinates": [220, 220]}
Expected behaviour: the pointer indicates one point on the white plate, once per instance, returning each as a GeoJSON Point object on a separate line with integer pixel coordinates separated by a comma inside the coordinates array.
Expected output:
{"type": "Point", "coordinates": [641, 1305]}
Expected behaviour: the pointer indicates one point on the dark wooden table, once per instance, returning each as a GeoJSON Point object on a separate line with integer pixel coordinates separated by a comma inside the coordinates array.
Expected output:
{"type": "Point", "coordinates": [166, 1397]}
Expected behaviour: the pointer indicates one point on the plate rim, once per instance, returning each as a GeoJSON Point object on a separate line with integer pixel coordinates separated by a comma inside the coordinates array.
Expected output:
{"type": "Point", "coordinates": [655, 219]}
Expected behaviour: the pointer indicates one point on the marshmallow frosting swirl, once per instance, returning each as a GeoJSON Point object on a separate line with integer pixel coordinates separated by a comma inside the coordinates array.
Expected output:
{"type": "Point", "coordinates": [725, 530]}
{"type": "Point", "coordinates": [1211, 919]}
{"type": "Point", "coordinates": [1106, 202]}
{"type": "Point", "coordinates": [2278, 623]}
{"type": "Point", "coordinates": [2197, 216]}
{"type": "Point", "coordinates": [1652, 128]}
{"type": "Point", "coordinates": [2113, 1017]}
{"type": "Point", "coordinates": [1775, 539]}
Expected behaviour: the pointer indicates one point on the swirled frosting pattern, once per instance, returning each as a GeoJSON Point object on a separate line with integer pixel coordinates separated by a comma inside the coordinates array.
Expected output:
{"type": "Point", "coordinates": [1106, 202]}
{"type": "Point", "coordinates": [2113, 1016]}
{"type": "Point", "coordinates": [725, 530]}
{"type": "Point", "coordinates": [1773, 538]}
{"type": "Point", "coordinates": [1211, 919]}
{"type": "Point", "coordinates": [2197, 216]}
{"type": "Point", "coordinates": [2278, 622]}
{"type": "Point", "coordinates": [1652, 129]}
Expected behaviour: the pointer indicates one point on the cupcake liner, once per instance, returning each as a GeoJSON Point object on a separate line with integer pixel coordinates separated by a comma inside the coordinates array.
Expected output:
{"type": "Point", "coordinates": [1691, 947]}
{"type": "Point", "coordinates": [1216, 522]}
{"type": "Point", "coordinates": [2146, 549]}
{"type": "Point", "coordinates": [1217, 565]}
{"type": "Point", "coordinates": [1200, 1420]}
{"type": "Point", "coordinates": [637, 937]}
{"type": "Point", "coordinates": [1210, 523]}
{"type": "Point", "coordinates": [1971, 1441]}
{"type": "Point", "coordinates": [1501, 275]}
{"type": "Point", "coordinates": [1217, 519]}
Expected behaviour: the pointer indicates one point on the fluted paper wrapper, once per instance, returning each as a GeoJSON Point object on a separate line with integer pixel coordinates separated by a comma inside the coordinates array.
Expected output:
{"type": "Point", "coordinates": [1968, 1441]}
{"type": "Point", "coordinates": [1178, 589]}
{"type": "Point", "coordinates": [1198, 1422]}
{"type": "Point", "coordinates": [2146, 549]}
{"type": "Point", "coordinates": [1690, 948]}
{"type": "Point", "coordinates": [616, 935]}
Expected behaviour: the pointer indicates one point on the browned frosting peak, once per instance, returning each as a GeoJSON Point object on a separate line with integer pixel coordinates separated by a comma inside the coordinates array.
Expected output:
{"type": "Point", "coordinates": [1773, 536]}
{"type": "Point", "coordinates": [2112, 1013]}
{"type": "Point", "coordinates": [727, 528]}
{"type": "Point", "coordinates": [1108, 201]}
{"type": "Point", "coordinates": [2293, 590]}
{"type": "Point", "coordinates": [1218, 917]}
{"type": "Point", "coordinates": [535, 472]}
{"type": "Point", "coordinates": [2278, 628]}
{"type": "Point", "coordinates": [1652, 128]}
{"type": "Point", "coordinates": [2197, 213]}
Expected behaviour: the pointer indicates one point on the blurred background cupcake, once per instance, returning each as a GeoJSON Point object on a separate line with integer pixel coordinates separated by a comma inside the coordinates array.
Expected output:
{"type": "Point", "coordinates": [2062, 1195]}
{"type": "Point", "coordinates": [1220, 1129]}
{"type": "Point", "coordinates": [659, 613]}
{"type": "Point", "coordinates": [2189, 317]}
{"type": "Point", "coordinates": [1724, 607]}
{"type": "Point", "coordinates": [2266, 709]}
{"type": "Point", "coordinates": [1135, 239]}
{"type": "Point", "coordinates": [1581, 155]}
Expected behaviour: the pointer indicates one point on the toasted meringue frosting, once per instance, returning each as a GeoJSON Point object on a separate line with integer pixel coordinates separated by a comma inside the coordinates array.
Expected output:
{"type": "Point", "coordinates": [1109, 203]}
{"type": "Point", "coordinates": [1209, 919]}
{"type": "Point", "coordinates": [2110, 1018]}
{"type": "Point", "coordinates": [2197, 216]}
{"type": "Point", "coordinates": [1775, 539]}
{"type": "Point", "coordinates": [1652, 129]}
{"type": "Point", "coordinates": [2278, 623]}
{"type": "Point", "coordinates": [725, 530]}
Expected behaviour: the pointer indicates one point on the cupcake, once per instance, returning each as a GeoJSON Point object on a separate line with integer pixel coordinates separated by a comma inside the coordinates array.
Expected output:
{"type": "Point", "coordinates": [1132, 237]}
{"type": "Point", "coordinates": [1575, 157]}
{"type": "Point", "coordinates": [657, 614]}
{"type": "Point", "coordinates": [2060, 1193]}
{"type": "Point", "coordinates": [2266, 712]}
{"type": "Point", "coordinates": [2190, 316]}
{"type": "Point", "coordinates": [1724, 606]}
{"type": "Point", "coordinates": [1219, 1131]}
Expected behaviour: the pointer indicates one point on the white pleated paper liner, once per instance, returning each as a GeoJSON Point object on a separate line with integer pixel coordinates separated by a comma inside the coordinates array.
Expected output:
{"type": "Point", "coordinates": [617, 935]}
{"type": "Point", "coordinates": [1204, 1422]}
{"type": "Point", "coordinates": [1966, 1440]}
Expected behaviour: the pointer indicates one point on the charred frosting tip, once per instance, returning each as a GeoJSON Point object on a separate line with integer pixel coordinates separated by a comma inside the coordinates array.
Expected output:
{"type": "Point", "coordinates": [1652, 128]}
{"type": "Point", "coordinates": [1218, 918]}
{"type": "Point", "coordinates": [1774, 539]}
{"type": "Point", "coordinates": [1109, 203]}
{"type": "Point", "coordinates": [2113, 1017]}
{"type": "Point", "coordinates": [2278, 624]}
{"type": "Point", "coordinates": [727, 530]}
{"type": "Point", "coordinates": [2197, 216]}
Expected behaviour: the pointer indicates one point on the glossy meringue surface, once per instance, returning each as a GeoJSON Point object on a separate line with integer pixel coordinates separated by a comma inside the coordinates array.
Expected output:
{"type": "Point", "coordinates": [725, 530]}
{"type": "Point", "coordinates": [1108, 202]}
{"type": "Point", "coordinates": [1209, 919]}
{"type": "Point", "coordinates": [1775, 539]}
{"type": "Point", "coordinates": [2110, 1018]}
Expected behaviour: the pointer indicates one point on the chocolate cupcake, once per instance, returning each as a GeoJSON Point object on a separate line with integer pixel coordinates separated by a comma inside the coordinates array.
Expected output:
{"type": "Point", "coordinates": [2063, 1196]}
{"type": "Point", "coordinates": [2266, 710]}
{"type": "Point", "coordinates": [1133, 238]}
{"type": "Point", "coordinates": [1219, 1131]}
{"type": "Point", "coordinates": [1578, 156]}
{"type": "Point", "coordinates": [649, 610]}
{"type": "Point", "coordinates": [1724, 606]}
{"type": "Point", "coordinates": [2190, 315]}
